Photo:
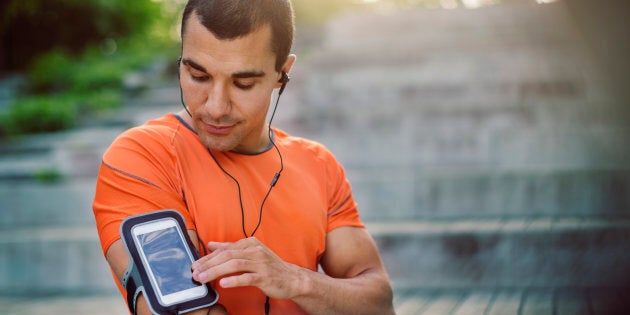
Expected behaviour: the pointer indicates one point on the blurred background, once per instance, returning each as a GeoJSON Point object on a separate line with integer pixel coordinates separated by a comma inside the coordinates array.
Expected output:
{"type": "Point", "coordinates": [487, 142]}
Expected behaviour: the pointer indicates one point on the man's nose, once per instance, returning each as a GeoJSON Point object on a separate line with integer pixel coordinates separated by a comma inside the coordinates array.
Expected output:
{"type": "Point", "coordinates": [218, 102]}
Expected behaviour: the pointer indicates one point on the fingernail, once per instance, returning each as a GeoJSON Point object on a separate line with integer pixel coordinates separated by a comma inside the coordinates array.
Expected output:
{"type": "Point", "coordinates": [202, 276]}
{"type": "Point", "coordinates": [225, 282]}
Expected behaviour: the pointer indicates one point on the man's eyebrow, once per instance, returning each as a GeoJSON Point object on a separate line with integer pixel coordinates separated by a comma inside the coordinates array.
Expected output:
{"type": "Point", "coordinates": [237, 75]}
{"type": "Point", "coordinates": [193, 64]}
{"type": "Point", "coordinates": [248, 74]}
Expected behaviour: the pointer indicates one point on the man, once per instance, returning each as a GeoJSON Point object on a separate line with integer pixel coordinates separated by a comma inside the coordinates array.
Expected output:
{"type": "Point", "coordinates": [272, 207]}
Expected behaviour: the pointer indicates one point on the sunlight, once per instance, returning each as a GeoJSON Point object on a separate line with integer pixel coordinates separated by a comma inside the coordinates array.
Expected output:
{"type": "Point", "coordinates": [474, 4]}
{"type": "Point", "coordinates": [448, 4]}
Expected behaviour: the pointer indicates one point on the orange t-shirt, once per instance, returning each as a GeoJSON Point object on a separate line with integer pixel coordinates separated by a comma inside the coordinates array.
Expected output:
{"type": "Point", "coordinates": [163, 165]}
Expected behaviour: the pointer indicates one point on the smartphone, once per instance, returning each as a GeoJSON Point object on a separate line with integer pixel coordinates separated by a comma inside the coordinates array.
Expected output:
{"type": "Point", "coordinates": [167, 259]}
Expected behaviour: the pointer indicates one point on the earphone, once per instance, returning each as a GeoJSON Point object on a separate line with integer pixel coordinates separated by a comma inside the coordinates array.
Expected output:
{"type": "Point", "coordinates": [284, 79]}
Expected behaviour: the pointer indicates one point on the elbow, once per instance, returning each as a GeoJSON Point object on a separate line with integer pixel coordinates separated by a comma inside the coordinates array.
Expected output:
{"type": "Point", "coordinates": [385, 298]}
{"type": "Point", "coordinates": [387, 301]}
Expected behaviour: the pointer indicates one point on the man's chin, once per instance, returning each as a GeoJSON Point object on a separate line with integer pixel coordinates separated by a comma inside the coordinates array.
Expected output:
{"type": "Point", "coordinates": [218, 143]}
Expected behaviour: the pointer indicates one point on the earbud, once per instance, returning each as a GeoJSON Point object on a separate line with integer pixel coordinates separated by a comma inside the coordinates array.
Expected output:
{"type": "Point", "coordinates": [284, 80]}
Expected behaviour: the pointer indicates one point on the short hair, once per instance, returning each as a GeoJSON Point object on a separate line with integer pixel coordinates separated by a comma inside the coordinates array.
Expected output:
{"type": "Point", "coordinates": [231, 19]}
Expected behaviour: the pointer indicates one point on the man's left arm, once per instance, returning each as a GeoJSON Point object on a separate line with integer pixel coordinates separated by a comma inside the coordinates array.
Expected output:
{"type": "Point", "coordinates": [355, 280]}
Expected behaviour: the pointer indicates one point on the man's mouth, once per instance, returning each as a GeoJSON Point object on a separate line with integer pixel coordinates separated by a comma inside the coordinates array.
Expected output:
{"type": "Point", "coordinates": [218, 129]}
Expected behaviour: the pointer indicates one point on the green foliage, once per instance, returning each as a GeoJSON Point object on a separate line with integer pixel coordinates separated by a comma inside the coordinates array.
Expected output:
{"type": "Point", "coordinates": [55, 112]}
{"type": "Point", "coordinates": [30, 28]}
{"type": "Point", "coordinates": [58, 71]}
{"type": "Point", "coordinates": [75, 54]}
{"type": "Point", "coordinates": [63, 87]}
{"type": "Point", "coordinates": [40, 114]}
{"type": "Point", "coordinates": [94, 69]}
{"type": "Point", "coordinates": [96, 101]}
{"type": "Point", "coordinates": [50, 70]}
{"type": "Point", "coordinates": [48, 175]}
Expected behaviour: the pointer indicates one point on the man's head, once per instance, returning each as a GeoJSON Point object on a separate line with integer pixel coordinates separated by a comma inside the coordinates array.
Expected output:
{"type": "Point", "coordinates": [231, 19]}
{"type": "Point", "coordinates": [234, 54]}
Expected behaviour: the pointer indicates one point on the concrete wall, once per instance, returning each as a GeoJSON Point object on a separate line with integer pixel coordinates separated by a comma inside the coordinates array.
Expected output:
{"type": "Point", "coordinates": [489, 107]}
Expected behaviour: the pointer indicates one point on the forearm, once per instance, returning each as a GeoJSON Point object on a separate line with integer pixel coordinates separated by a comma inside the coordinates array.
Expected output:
{"type": "Point", "coordinates": [355, 281]}
{"type": "Point", "coordinates": [367, 293]}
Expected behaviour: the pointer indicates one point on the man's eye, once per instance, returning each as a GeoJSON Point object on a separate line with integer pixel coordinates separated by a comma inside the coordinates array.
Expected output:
{"type": "Point", "coordinates": [197, 75]}
{"type": "Point", "coordinates": [199, 78]}
{"type": "Point", "coordinates": [244, 85]}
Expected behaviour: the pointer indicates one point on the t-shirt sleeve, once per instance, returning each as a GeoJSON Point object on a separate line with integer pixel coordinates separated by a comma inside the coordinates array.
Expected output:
{"type": "Point", "coordinates": [137, 175]}
{"type": "Point", "coordinates": [342, 210]}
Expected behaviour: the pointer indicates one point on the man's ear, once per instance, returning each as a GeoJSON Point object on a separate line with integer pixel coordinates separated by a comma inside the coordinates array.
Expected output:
{"type": "Point", "coordinates": [286, 68]}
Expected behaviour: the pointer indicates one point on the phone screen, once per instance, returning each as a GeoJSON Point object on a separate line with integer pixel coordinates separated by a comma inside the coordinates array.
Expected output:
{"type": "Point", "coordinates": [168, 260]}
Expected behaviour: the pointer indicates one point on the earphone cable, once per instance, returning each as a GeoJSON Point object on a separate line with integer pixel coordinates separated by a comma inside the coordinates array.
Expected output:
{"type": "Point", "coordinates": [273, 181]}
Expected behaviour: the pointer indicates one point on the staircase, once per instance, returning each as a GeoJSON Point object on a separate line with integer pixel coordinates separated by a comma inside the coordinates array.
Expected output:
{"type": "Point", "coordinates": [485, 148]}
{"type": "Point", "coordinates": [48, 240]}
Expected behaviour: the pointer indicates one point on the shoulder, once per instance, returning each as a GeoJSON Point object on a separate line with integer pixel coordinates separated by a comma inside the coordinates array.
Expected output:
{"type": "Point", "coordinates": [161, 129]}
{"type": "Point", "coordinates": [154, 138]}
{"type": "Point", "coordinates": [304, 147]}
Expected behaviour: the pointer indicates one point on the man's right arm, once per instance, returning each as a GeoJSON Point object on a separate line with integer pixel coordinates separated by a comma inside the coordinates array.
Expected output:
{"type": "Point", "coordinates": [133, 179]}
{"type": "Point", "coordinates": [118, 260]}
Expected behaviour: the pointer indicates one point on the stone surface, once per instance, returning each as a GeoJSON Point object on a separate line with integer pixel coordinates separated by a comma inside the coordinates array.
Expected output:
{"type": "Point", "coordinates": [485, 151]}
{"type": "Point", "coordinates": [51, 260]}
{"type": "Point", "coordinates": [497, 253]}
{"type": "Point", "coordinates": [508, 100]}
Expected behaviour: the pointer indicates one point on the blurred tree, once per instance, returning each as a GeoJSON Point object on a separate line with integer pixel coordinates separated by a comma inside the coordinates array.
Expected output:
{"type": "Point", "coordinates": [29, 28]}
{"type": "Point", "coordinates": [318, 11]}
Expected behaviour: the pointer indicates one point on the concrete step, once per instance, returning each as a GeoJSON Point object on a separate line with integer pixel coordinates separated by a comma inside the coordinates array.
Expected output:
{"type": "Point", "coordinates": [106, 304]}
{"type": "Point", "coordinates": [73, 153]}
{"type": "Point", "coordinates": [506, 301]}
{"type": "Point", "coordinates": [415, 193]}
{"type": "Point", "coordinates": [506, 253]}
{"type": "Point", "coordinates": [431, 255]}
{"type": "Point", "coordinates": [575, 134]}
{"type": "Point", "coordinates": [408, 193]}
{"type": "Point", "coordinates": [519, 25]}
{"type": "Point", "coordinates": [503, 301]}
{"type": "Point", "coordinates": [43, 261]}
{"type": "Point", "coordinates": [32, 204]}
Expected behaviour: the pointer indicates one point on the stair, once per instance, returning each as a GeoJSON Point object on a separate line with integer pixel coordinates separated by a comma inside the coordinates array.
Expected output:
{"type": "Point", "coordinates": [501, 301]}
{"type": "Point", "coordinates": [487, 158]}
{"type": "Point", "coordinates": [484, 148]}
{"type": "Point", "coordinates": [474, 254]}
{"type": "Point", "coordinates": [48, 239]}
{"type": "Point", "coordinates": [53, 260]}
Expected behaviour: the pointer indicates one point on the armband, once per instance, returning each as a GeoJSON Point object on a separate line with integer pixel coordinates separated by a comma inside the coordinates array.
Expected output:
{"type": "Point", "coordinates": [160, 259]}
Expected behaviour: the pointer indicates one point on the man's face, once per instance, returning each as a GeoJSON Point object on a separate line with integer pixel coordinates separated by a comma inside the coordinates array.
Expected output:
{"type": "Point", "coordinates": [227, 86]}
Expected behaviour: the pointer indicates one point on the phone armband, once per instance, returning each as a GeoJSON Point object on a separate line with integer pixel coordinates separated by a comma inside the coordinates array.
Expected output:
{"type": "Point", "coordinates": [160, 258]}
